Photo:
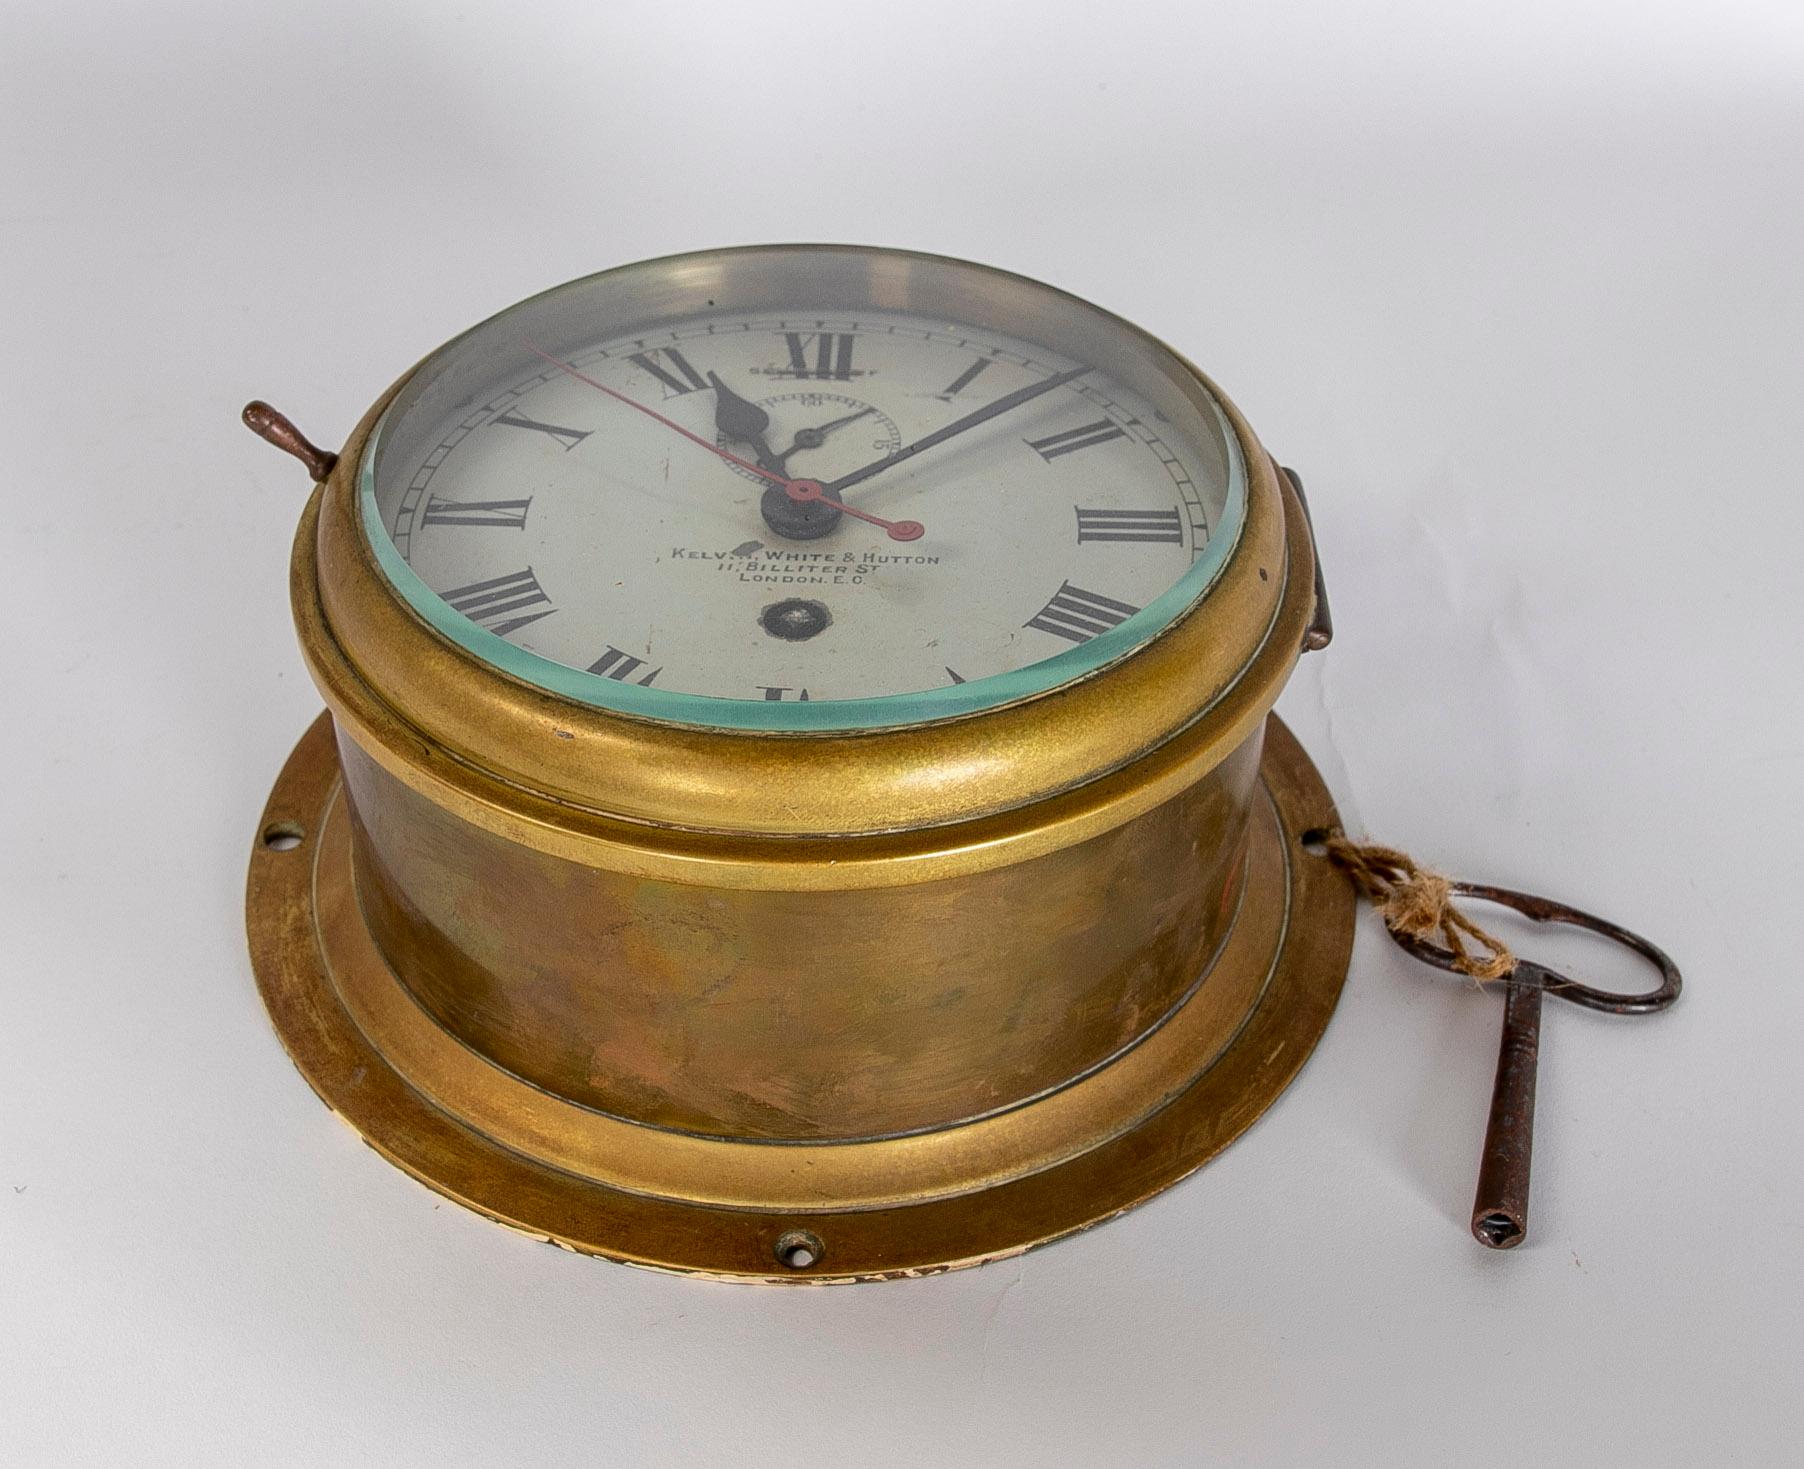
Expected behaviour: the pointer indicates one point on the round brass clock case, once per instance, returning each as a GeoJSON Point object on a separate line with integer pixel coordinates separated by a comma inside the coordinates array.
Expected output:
{"type": "Point", "coordinates": [969, 985]}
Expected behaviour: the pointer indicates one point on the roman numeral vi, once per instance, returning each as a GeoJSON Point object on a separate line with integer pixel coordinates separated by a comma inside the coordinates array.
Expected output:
{"type": "Point", "coordinates": [621, 666]}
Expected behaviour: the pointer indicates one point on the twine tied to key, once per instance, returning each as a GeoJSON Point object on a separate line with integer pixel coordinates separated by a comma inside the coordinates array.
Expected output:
{"type": "Point", "coordinates": [1419, 903]}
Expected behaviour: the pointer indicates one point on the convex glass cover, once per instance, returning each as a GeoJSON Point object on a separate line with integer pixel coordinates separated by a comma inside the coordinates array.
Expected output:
{"type": "Point", "coordinates": [802, 487]}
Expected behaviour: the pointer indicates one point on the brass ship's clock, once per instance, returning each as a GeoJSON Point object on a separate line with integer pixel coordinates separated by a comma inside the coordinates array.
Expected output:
{"type": "Point", "coordinates": [799, 798]}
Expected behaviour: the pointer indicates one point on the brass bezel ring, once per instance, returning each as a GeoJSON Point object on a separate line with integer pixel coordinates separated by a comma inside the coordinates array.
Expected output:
{"type": "Point", "coordinates": [407, 691]}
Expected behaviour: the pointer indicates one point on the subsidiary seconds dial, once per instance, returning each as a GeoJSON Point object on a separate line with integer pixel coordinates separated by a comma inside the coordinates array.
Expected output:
{"type": "Point", "coordinates": [772, 507]}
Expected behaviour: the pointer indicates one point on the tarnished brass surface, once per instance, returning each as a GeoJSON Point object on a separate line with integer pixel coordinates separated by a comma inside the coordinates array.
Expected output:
{"type": "Point", "coordinates": [752, 1012]}
{"type": "Point", "coordinates": [926, 994]}
{"type": "Point", "coordinates": [897, 1206]}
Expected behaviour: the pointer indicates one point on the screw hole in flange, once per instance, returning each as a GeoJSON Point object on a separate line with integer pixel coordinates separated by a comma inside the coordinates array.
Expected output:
{"type": "Point", "coordinates": [799, 1249]}
{"type": "Point", "coordinates": [283, 836]}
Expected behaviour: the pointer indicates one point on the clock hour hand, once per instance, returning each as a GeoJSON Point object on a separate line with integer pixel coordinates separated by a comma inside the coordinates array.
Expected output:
{"type": "Point", "coordinates": [742, 420]}
{"type": "Point", "coordinates": [799, 516]}
{"type": "Point", "coordinates": [787, 514]}
{"type": "Point", "coordinates": [939, 436]}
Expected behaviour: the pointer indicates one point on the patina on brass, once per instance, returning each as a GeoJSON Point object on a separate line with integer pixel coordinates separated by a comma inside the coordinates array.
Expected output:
{"type": "Point", "coordinates": [969, 986]}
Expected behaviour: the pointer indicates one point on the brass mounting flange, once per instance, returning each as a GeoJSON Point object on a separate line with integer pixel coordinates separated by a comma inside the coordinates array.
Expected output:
{"type": "Point", "coordinates": [908, 1205]}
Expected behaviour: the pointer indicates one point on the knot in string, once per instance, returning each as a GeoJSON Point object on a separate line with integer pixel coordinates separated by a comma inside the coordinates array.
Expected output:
{"type": "Point", "coordinates": [1418, 903]}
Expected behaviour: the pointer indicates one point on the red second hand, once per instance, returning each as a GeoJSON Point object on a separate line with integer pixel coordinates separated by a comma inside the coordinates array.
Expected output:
{"type": "Point", "coordinates": [798, 489]}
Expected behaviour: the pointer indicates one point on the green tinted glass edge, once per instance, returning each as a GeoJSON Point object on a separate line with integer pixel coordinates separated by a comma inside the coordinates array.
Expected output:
{"type": "Point", "coordinates": [887, 710]}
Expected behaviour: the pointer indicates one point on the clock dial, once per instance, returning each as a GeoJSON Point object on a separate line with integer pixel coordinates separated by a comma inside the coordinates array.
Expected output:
{"type": "Point", "coordinates": [757, 498]}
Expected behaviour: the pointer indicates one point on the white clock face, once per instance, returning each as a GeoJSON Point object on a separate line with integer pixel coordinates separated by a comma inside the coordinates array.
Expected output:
{"type": "Point", "coordinates": [721, 510]}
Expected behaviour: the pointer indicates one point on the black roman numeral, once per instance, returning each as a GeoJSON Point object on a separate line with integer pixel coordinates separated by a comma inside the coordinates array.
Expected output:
{"type": "Point", "coordinates": [568, 437]}
{"type": "Point", "coordinates": [1079, 615]}
{"type": "Point", "coordinates": [685, 379]}
{"type": "Point", "coordinates": [621, 666]}
{"type": "Point", "coordinates": [964, 379]}
{"type": "Point", "coordinates": [476, 512]}
{"type": "Point", "coordinates": [1073, 439]}
{"type": "Point", "coordinates": [494, 602]}
{"type": "Point", "coordinates": [1129, 525]}
{"type": "Point", "coordinates": [832, 354]}
{"type": "Point", "coordinates": [776, 695]}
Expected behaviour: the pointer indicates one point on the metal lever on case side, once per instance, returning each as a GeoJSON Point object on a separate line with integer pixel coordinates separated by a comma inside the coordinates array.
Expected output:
{"type": "Point", "coordinates": [1320, 631]}
{"type": "Point", "coordinates": [274, 426]}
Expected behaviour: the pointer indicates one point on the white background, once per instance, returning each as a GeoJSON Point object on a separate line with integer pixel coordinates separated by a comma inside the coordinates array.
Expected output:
{"type": "Point", "coordinates": [1516, 286]}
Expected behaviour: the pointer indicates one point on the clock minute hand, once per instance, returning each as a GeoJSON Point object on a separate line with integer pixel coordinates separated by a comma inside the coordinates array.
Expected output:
{"type": "Point", "coordinates": [939, 436]}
